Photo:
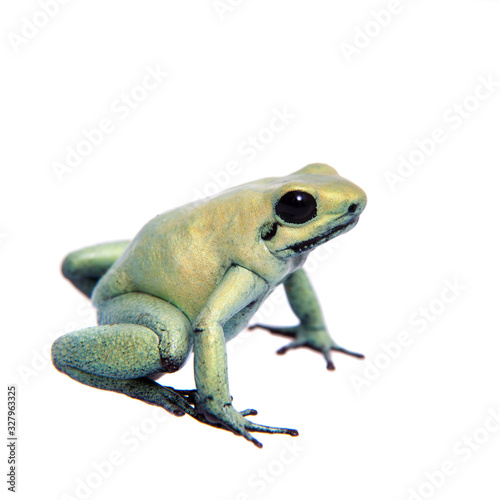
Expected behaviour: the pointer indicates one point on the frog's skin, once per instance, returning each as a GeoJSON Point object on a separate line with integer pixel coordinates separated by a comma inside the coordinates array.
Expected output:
{"type": "Point", "coordinates": [192, 279]}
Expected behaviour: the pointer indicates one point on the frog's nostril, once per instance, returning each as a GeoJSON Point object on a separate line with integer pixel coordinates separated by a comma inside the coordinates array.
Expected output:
{"type": "Point", "coordinates": [352, 208]}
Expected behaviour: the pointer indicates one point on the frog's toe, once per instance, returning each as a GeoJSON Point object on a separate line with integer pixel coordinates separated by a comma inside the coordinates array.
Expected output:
{"type": "Point", "coordinates": [179, 404]}
{"type": "Point", "coordinates": [250, 438]}
{"type": "Point", "coordinates": [253, 427]}
{"type": "Point", "coordinates": [291, 345]}
{"type": "Point", "coordinates": [286, 331]}
{"type": "Point", "coordinates": [189, 395]}
{"type": "Point", "coordinates": [248, 412]}
{"type": "Point", "coordinates": [328, 356]}
{"type": "Point", "coordinates": [349, 353]}
{"type": "Point", "coordinates": [329, 361]}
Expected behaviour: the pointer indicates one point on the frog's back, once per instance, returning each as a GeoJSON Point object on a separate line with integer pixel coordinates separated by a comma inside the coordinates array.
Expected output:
{"type": "Point", "coordinates": [181, 255]}
{"type": "Point", "coordinates": [161, 261]}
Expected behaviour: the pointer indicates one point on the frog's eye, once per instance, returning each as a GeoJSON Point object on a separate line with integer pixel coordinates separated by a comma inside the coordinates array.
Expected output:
{"type": "Point", "coordinates": [296, 207]}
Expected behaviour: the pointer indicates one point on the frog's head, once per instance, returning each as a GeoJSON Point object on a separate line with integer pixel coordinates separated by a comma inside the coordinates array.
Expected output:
{"type": "Point", "coordinates": [310, 207]}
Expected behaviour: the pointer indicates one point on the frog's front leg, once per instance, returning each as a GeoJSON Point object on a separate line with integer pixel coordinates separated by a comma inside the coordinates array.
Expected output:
{"type": "Point", "coordinates": [311, 332]}
{"type": "Point", "coordinates": [238, 288]}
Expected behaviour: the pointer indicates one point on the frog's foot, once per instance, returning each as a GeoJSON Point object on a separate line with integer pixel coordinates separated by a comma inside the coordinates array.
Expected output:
{"type": "Point", "coordinates": [326, 351]}
{"type": "Point", "coordinates": [316, 339]}
{"type": "Point", "coordinates": [226, 417]}
{"type": "Point", "coordinates": [190, 397]}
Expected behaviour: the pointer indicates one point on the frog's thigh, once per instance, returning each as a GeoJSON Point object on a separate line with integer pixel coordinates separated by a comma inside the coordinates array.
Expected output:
{"type": "Point", "coordinates": [172, 328]}
{"type": "Point", "coordinates": [117, 358]}
{"type": "Point", "coordinates": [138, 335]}
{"type": "Point", "coordinates": [112, 351]}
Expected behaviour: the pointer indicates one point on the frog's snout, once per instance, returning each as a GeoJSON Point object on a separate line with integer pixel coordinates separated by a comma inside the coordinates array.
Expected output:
{"type": "Point", "coordinates": [357, 201]}
{"type": "Point", "coordinates": [355, 208]}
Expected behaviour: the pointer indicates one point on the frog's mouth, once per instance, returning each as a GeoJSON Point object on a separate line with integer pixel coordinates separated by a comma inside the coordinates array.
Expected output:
{"type": "Point", "coordinates": [322, 238]}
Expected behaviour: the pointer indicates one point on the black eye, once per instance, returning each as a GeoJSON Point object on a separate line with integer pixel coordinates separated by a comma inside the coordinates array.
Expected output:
{"type": "Point", "coordinates": [296, 207]}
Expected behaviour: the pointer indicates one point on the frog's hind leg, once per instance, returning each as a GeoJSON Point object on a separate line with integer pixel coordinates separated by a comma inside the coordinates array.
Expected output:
{"type": "Point", "coordinates": [85, 267]}
{"type": "Point", "coordinates": [118, 358]}
{"type": "Point", "coordinates": [139, 336]}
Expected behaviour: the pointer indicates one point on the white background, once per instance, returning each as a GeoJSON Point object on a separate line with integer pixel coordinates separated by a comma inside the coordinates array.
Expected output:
{"type": "Point", "coordinates": [228, 73]}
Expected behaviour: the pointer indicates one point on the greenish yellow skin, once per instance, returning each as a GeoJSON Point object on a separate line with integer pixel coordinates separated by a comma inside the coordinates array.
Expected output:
{"type": "Point", "coordinates": [191, 280]}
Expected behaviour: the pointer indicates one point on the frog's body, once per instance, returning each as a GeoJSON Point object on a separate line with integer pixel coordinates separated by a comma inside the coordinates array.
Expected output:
{"type": "Point", "coordinates": [192, 248]}
{"type": "Point", "coordinates": [191, 280]}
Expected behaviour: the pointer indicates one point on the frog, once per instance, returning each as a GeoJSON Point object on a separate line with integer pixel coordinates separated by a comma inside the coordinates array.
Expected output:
{"type": "Point", "coordinates": [192, 279]}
